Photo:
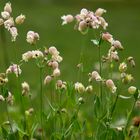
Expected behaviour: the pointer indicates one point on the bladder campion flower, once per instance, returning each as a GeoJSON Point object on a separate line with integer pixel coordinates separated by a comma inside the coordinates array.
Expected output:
{"type": "Point", "coordinates": [32, 37]}
{"type": "Point", "coordinates": [20, 19]}
{"type": "Point", "coordinates": [132, 90]}
{"type": "Point", "coordinates": [110, 84]}
{"type": "Point", "coordinates": [25, 88]}
{"type": "Point", "coordinates": [79, 87]}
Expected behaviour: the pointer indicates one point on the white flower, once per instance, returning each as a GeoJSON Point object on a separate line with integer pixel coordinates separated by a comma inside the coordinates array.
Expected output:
{"type": "Point", "coordinates": [10, 98]}
{"type": "Point", "coordinates": [25, 88]}
{"type": "Point", "coordinates": [57, 58]}
{"type": "Point", "coordinates": [107, 37]}
{"type": "Point", "coordinates": [100, 11]}
{"type": "Point", "coordinates": [8, 7]}
{"type": "Point", "coordinates": [123, 67]}
{"type": "Point", "coordinates": [20, 19]}
{"type": "Point", "coordinates": [110, 84]}
{"type": "Point", "coordinates": [79, 87]}
{"type": "Point", "coordinates": [56, 72]}
{"type": "Point", "coordinates": [37, 54]}
{"type": "Point", "coordinates": [117, 44]}
{"type": "Point", "coordinates": [32, 37]}
{"type": "Point", "coordinates": [132, 90]}
{"type": "Point", "coordinates": [5, 15]}
{"type": "Point", "coordinates": [55, 64]}
{"type": "Point", "coordinates": [53, 51]}
{"type": "Point", "coordinates": [89, 89]}
{"type": "Point", "coordinates": [27, 56]}
{"type": "Point", "coordinates": [14, 33]}
{"type": "Point", "coordinates": [95, 76]}
{"type": "Point", "coordinates": [47, 79]}
{"type": "Point", "coordinates": [9, 23]}
{"type": "Point", "coordinates": [67, 19]}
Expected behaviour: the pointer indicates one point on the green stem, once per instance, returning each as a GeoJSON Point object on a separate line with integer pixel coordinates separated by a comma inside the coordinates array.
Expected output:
{"type": "Point", "coordinates": [129, 117]}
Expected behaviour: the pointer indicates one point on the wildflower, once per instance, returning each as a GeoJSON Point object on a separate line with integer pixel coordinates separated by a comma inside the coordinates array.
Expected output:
{"type": "Point", "coordinates": [8, 7]}
{"type": "Point", "coordinates": [110, 84]}
{"type": "Point", "coordinates": [14, 33]}
{"type": "Point", "coordinates": [132, 90]}
{"type": "Point", "coordinates": [107, 37]}
{"type": "Point", "coordinates": [55, 64]}
{"type": "Point", "coordinates": [95, 76]}
{"type": "Point", "coordinates": [60, 84]}
{"type": "Point", "coordinates": [10, 98]}
{"type": "Point", "coordinates": [37, 54]}
{"type": "Point", "coordinates": [9, 23]}
{"type": "Point", "coordinates": [53, 51]}
{"type": "Point", "coordinates": [67, 19]}
{"type": "Point", "coordinates": [79, 87]}
{"type": "Point", "coordinates": [1, 98]}
{"type": "Point", "coordinates": [127, 78]}
{"type": "Point", "coordinates": [25, 88]}
{"type": "Point", "coordinates": [57, 58]}
{"type": "Point", "coordinates": [89, 89]}
{"type": "Point", "coordinates": [32, 37]}
{"type": "Point", "coordinates": [131, 61]}
{"type": "Point", "coordinates": [1, 21]}
{"type": "Point", "coordinates": [56, 72]}
{"type": "Point", "coordinates": [100, 11]}
{"type": "Point", "coordinates": [104, 24]}
{"type": "Point", "coordinates": [27, 56]}
{"type": "Point", "coordinates": [5, 15]}
{"type": "Point", "coordinates": [47, 79]}
{"type": "Point", "coordinates": [20, 19]}
{"type": "Point", "coordinates": [123, 67]}
{"type": "Point", "coordinates": [117, 44]}
{"type": "Point", "coordinates": [82, 26]}
{"type": "Point", "coordinates": [14, 69]}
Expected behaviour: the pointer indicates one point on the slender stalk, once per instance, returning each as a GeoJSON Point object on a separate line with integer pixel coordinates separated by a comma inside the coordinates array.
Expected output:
{"type": "Point", "coordinates": [4, 47]}
{"type": "Point", "coordinates": [129, 117]}
{"type": "Point", "coordinates": [41, 100]}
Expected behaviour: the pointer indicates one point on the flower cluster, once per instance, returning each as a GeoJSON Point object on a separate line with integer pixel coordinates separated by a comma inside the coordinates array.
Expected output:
{"type": "Point", "coordinates": [8, 21]}
{"type": "Point", "coordinates": [87, 19]}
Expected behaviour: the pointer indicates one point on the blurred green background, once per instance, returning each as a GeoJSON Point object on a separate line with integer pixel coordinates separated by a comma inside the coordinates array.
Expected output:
{"type": "Point", "coordinates": [44, 17]}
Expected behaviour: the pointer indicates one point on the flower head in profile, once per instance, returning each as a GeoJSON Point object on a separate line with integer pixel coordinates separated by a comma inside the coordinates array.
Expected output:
{"type": "Point", "coordinates": [110, 84]}
{"type": "Point", "coordinates": [67, 19]}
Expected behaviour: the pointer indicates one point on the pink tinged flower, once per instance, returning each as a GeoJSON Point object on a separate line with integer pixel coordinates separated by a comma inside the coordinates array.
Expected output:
{"type": "Point", "coordinates": [110, 84]}
{"type": "Point", "coordinates": [14, 33]}
{"type": "Point", "coordinates": [132, 90]}
{"type": "Point", "coordinates": [8, 7]}
{"type": "Point", "coordinates": [95, 76]}
{"type": "Point", "coordinates": [32, 37]}
{"type": "Point", "coordinates": [67, 19]}
{"type": "Point", "coordinates": [56, 72]}
{"type": "Point", "coordinates": [100, 11]}
{"type": "Point", "coordinates": [104, 24]}
{"type": "Point", "coordinates": [117, 44]}
{"type": "Point", "coordinates": [1, 98]}
{"type": "Point", "coordinates": [114, 55]}
{"type": "Point", "coordinates": [47, 79]}
{"type": "Point", "coordinates": [83, 12]}
{"type": "Point", "coordinates": [55, 64]}
{"type": "Point", "coordinates": [20, 19]}
{"type": "Point", "coordinates": [27, 56]}
{"type": "Point", "coordinates": [53, 51]}
{"type": "Point", "coordinates": [82, 26]}
{"type": "Point", "coordinates": [107, 37]}
{"type": "Point", "coordinates": [14, 69]}
{"type": "Point", "coordinates": [5, 15]}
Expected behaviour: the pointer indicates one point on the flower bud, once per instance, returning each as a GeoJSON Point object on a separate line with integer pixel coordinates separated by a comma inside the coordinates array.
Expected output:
{"type": "Point", "coordinates": [82, 26]}
{"type": "Point", "coordinates": [110, 84]}
{"type": "Point", "coordinates": [107, 37]}
{"type": "Point", "coordinates": [67, 19]}
{"type": "Point", "coordinates": [89, 89]}
{"type": "Point", "coordinates": [47, 80]}
{"type": "Point", "coordinates": [131, 61]}
{"type": "Point", "coordinates": [123, 67]}
{"type": "Point", "coordinates": [100, 11]}
{"type": "Point", "coordinates": [79, 87]}
{"type": "Point", "coordinates": [132, 90]}
{"type": "Point", "coordinates": [56, 72]}
{"type": "Point", "coordinates": [5, 15]}
{"type": "Point", "coordinates": [54, 65]}
{"type": "Point", "coordinates": [20, 19]}
{"type": "Point", "coordinates": [117, 44]}
{"type": "Point", "coordinates": [95, 75]}
{"type": "Point", "coordinates": [8, 7]}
